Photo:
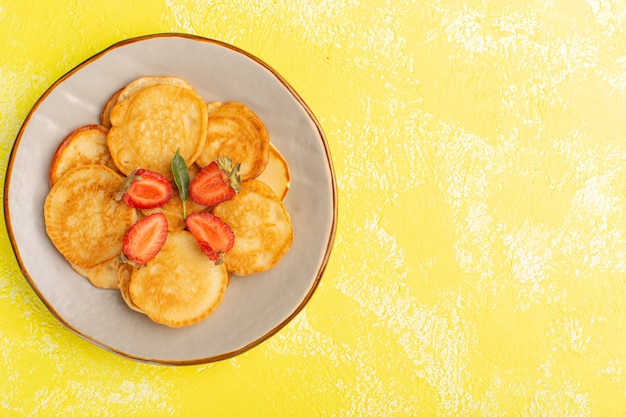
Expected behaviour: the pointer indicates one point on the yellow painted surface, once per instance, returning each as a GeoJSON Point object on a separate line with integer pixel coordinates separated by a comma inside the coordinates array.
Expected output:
{"type": "Point", "coordinates": [479, 266]}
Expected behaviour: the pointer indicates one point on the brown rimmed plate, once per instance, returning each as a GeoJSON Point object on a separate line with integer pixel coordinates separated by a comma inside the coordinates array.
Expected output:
{"type": "Point", "coordinates": [255, 307]}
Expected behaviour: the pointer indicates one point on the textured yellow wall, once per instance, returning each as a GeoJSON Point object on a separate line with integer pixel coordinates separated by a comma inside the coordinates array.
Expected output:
{"type": "Point", "coordinates": [479, 266]}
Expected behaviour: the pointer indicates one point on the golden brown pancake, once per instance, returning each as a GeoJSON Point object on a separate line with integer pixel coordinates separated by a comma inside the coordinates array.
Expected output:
{"type": "Point", "coordinates": [212, 106]}
{"type": "Point", "coordinates": [276, 173]}
{"type": "Point", "coordinates": [105, 114]}
{"type": "Point", "coordinates": [261, 225]}
{"type": "Point", "coordinates": [149, 80]}
{"type": "Point", "coordinates": [124, 272]}
{"type": "Point", "coordinates": [85, 145]}
{"type": "Point", "coordinates": [234, 131]}
{"type": "Point", "coordinates": [181, 286]}
{"type": "Point", "coordinates": [83, 220]}
{"type": "Point", "coordinates": [101, 276]}
{"type": "Point", "coordinates": [152, 124]}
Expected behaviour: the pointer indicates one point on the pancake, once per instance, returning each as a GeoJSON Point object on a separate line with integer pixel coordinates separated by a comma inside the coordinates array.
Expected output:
{"type": "Point", "coordinates": [276, 173]}
{"type": "Point", "coordinates": [86, 145]}
{"type": "Point", "coordinates": [212, 106]}
{"type": "Point", "coordinates": [149, 80]}
{"type": "Point", "coordinates": [105, 114]}
{"type": "Point", "coordinates": [152, 124]}
{"type": "Point", "coordinates": [82, 218]}
{"type": "Point", "coordinates": [101, 276]}
{"type": "Point", "coordinates": [261, 225]}
{"type": "Point", "coordinates": [124, 272]}
{"type": "Point", "coordinates": [234, 131]}
{"type": "Point", "coordinates": [181, 286]}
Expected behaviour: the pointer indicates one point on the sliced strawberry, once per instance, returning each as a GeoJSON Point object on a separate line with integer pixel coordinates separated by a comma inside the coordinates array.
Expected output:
{"type": "Point", "coordinates": [213, 235]}
{"type": "Point", "coordinates": [215, 183]}
{"type": "Point", "coordinates": [144, 240]}
{"type": "Point", "coordinates": [144, 189]}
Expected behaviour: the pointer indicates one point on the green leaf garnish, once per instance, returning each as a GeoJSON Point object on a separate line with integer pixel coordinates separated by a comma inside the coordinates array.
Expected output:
{"type": "Point", "coordinates": [181, 178]}
{"type": "Point", "coordinates": [231, 171]}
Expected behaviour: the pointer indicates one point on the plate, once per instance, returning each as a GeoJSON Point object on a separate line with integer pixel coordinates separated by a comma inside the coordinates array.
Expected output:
{"type": "Point", "coordinates": [254, 307]}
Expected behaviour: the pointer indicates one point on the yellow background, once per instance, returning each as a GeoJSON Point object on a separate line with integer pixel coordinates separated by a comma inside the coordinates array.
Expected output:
{"type": "Point", "coordinates": [479, 266]}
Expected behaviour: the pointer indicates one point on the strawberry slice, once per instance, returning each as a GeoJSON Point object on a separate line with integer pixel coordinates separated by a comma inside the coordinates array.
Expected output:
{"type": "Point", "coordinates": [144, 240]}
{"type": "Point", "coordinates": [144, 189]}
{"type": "Point", "coordinates": [213, 235]}
{"type": "Point", "coordinates": [215, 183]}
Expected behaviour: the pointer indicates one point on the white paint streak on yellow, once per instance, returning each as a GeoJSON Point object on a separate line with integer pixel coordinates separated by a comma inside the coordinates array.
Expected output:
{"type": "Point", "coordinates": [547, 403]}
{"type": "Point", "coordinates": [530, 258]}
{"type": "Point", "coordinates": [360, 387]}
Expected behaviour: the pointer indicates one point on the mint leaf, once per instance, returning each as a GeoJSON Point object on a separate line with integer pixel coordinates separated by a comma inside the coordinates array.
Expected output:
{"type": "Point", "coordinates": [181, 178]}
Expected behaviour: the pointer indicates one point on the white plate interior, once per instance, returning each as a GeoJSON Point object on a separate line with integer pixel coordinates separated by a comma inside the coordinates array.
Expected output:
{"type": "Point", "coordinates": [255, 306]}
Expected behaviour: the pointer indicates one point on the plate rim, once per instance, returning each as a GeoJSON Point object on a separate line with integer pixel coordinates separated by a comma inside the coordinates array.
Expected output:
{"type": "Point", "coordinates": [334, 201]}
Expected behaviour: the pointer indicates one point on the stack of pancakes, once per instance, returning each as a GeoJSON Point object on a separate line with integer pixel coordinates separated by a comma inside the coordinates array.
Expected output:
{"type": "Point", "coordinates": [142, 126]}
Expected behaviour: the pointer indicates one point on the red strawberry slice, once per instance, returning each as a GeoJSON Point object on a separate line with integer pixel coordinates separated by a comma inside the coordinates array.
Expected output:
{"type": "Point", "coordinates": [144, 240]}
{"type": "Point", "coordinates": [144, 189]}
{"type": "Point", "coordinates": [213, 235]}
{"type": "Point", "coordinates": [215, 183]}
